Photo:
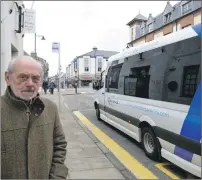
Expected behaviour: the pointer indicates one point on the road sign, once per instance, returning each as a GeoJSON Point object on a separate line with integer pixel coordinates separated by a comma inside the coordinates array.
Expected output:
{"type": "Point", "coordinates": [29, 21]}
{"type": "Point", "coordinates": [55, 47]}
{"type": "Point", "coordinates": [75, 65]}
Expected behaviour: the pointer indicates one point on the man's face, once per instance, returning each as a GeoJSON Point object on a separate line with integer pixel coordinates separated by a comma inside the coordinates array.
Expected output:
{"type": "Point", "coordinates": [25, 79]}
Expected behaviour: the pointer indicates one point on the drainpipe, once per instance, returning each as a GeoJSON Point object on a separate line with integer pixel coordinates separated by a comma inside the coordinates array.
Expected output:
{"type": "Point", "coordinates": [176, 25]}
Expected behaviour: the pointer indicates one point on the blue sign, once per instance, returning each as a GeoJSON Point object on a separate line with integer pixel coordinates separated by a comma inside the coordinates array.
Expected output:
{"type": "Point", "coordinates": [55, 47]}
{"type": "Point", "coordinates": [75, 64]}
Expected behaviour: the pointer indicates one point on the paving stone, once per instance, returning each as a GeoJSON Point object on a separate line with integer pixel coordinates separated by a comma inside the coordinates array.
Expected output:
{"type": "Point", "coordinates": [105, 173]}
{"type": "Point", "coordinates": [78, 164]}
{"type": "Point", "coordinates": [100, 162]}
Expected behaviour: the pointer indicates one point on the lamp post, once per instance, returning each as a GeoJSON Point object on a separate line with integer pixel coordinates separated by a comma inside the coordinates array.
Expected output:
{"type": "Point", "coordinates": [35, 36]}
{"type": "Point", "coordinates": [95, 49]}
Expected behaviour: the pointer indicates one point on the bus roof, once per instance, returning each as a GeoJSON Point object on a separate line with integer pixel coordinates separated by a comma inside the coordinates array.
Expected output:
{"type": "Point", "coordinates": [177, 36]}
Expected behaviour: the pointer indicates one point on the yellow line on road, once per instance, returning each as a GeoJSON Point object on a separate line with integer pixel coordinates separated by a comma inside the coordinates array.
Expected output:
{"type": "Point", "coordinates": [167, 172]}
{"type": "Point", "coordinates": [124, 157]}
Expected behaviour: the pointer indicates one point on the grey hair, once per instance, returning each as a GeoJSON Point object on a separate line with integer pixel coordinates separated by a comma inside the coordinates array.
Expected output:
{"type": "Point", "coordinates": [15, 59]}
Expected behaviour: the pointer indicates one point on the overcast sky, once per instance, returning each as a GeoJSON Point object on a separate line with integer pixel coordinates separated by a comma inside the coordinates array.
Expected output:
{"type": "Point", "coordinates": [80, 25]}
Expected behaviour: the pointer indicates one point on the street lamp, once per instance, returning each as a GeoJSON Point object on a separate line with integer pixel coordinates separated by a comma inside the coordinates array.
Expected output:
{"type": "Point", "coordinates": [42, 38]}
{"type": "Point", "coordinates": [95, 49]}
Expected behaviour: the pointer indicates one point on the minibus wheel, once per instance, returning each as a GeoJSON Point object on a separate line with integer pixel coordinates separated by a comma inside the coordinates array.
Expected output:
{"type": "Point", "coordinates": [150, 144]}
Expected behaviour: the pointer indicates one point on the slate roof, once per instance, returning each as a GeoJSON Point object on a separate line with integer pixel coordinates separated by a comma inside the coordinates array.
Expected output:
{"type": "Point", "coordinates": [139, 17]}
{"type": "Point", "coordinates": [105, 54]}
{"type": "Point", "coordinates": [159, 20]}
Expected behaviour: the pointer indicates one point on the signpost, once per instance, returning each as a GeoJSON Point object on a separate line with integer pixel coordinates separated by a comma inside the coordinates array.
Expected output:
{"type": "Point", "coordinates": [75, 70]}
{"type": "Point", "coordinates": [56, 49]}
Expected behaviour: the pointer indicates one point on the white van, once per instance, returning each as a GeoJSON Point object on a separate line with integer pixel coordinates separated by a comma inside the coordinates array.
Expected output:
{"type": "Point", "coordinates": [152, 92]}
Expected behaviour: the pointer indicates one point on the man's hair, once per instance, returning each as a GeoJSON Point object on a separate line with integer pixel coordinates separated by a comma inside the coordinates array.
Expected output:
{"type": "Point", "coordinates": [14, 60]}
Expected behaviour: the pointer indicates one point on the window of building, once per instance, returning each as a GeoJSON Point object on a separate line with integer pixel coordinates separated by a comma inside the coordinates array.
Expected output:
{"type": "Point", "coordinates": [143, 31]}
{"type": "Point", "coordinates": [150, 27]}
{"type": "Point", "coordinates": [186, 7]}
{"type": "Point", "coordinates": [113, 77]}
{"type": "Point", "coordinates": [190, 81]}
{"type": "Point", "coordinates": [186, 26]}
{"type": "Point", "coordinates": [167, 33]}
{"type": "Point", "coordinates": [99, 65]}
{"type": "Point", "coordinates": [131, 34]}
{"type": "Point", "coordinates": [86, 65]}
{"type": "Point", "coordinates": [167, 18]}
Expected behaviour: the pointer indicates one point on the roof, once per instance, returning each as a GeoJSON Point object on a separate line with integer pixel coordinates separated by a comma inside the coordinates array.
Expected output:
{"type": "Point", "coordinates": [105, 54]}
{"type": "Point", "coordinates": [177, 36]}
{"type": "Point", "coordinates": [159, 20]}
{"type": "Point", "coordinates": [139, 17]}
{"type": "Point", "coordinates": [25, 53]}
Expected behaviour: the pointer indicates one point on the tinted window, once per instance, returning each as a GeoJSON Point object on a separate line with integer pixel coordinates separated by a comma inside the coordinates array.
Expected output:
{"type": "Point", "coordinates": [113, 76]}
{"type": "Point", "coordinates": [137, 83]}
{"type": "Point", "coordinates": [170, 73]}
{"type": "Point", "coordinates": [190, 81]}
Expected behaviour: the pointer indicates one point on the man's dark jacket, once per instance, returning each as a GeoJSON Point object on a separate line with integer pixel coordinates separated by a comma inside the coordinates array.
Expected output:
{"type": "Point", "coordinates": [33, 144]}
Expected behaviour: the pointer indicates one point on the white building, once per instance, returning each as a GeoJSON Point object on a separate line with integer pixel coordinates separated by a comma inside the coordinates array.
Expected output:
{"type": "Point", "coordinates": [11, 37]}
{"type": "Point", "coordinates": [89, 66]}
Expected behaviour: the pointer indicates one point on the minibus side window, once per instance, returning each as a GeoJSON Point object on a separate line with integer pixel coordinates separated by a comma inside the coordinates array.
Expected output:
{"type": "Point", "coordinates": [113, 78]}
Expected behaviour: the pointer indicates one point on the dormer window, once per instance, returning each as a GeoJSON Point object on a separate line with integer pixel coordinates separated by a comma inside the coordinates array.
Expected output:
{"type": "Point", "coordinates": [150, 27]}
{"type": "Point", "coordinates": [186, 7]}
{"type": "Point", "coordinates": [143, 31]}
{"type": "Point", "coordinates": [131, 34]}
{"type": "Point", "coordinates": [167, 18]}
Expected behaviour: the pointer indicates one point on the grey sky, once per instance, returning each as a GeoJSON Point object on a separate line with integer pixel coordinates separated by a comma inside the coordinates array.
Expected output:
{"type": "Point", "coordinates": [80, 25]}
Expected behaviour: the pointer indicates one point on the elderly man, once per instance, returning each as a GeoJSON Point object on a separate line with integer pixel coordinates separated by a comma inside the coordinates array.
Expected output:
{"type": "Point", "coordinates": [33, 144]}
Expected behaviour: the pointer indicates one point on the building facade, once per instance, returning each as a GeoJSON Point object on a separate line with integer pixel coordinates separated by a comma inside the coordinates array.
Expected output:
{"type": "Point", "coordinates": [11, 35]}
{"type": "Point", "coordinates": [88, 66]}
{"type": "Point", "coordinates": [173, 18]}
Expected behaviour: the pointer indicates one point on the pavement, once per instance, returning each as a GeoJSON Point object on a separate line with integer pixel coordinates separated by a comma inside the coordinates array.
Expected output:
{"type": "Point", "coordinates": [86, 157]}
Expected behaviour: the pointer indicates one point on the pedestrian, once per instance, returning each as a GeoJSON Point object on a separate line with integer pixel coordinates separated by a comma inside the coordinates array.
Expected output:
{"type": "Point", "coordinates": [52, 86]}
{"type": "Point", "coordinates": [45, 86]}
{"type": "Point", "coordinates": [33, 144]}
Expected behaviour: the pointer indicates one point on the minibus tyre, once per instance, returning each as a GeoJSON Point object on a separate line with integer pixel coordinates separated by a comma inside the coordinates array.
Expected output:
{"type": "Point", "coordinates": [97, 110]}
{"type": "Point", "coordinates": [147, 135]}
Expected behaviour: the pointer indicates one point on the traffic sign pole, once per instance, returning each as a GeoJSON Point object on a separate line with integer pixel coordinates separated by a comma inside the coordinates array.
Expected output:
{"type": "Point", "coordinates": [56, 49]}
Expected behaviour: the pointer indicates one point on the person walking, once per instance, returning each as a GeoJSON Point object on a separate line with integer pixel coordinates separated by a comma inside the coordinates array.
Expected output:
{"type": "Point", "coordinates": [45, 86]}
{"type": "Point", "coordinates": [52, 86]}
{"type": "Point", "coordinates": [33, 144]}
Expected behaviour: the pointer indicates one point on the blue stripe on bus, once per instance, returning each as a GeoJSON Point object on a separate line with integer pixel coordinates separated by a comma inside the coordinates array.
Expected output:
{"type": "Point", "coordinates": [191, 127]}
{"type": "Point", "coordinates": [197, 29]}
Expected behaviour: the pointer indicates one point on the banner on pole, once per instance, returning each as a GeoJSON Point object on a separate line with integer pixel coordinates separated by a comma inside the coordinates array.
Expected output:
{"type": "Point", "coordinates": [56, 47]}
{"type": "Point", "coordinates": [75, 65]}
{"type": "Point", "coordinates": [29, 21]}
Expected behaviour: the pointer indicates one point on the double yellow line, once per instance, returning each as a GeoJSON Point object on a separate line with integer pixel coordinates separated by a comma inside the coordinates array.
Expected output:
{"type": "Point", "coordinates": [161, 166]}
{"type": "Point", "coordinates": [139, 171]}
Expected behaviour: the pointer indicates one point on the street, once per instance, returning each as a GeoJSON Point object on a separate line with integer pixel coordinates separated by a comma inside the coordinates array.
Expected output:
{"type": "Point", "coordinates": [82, 104]}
